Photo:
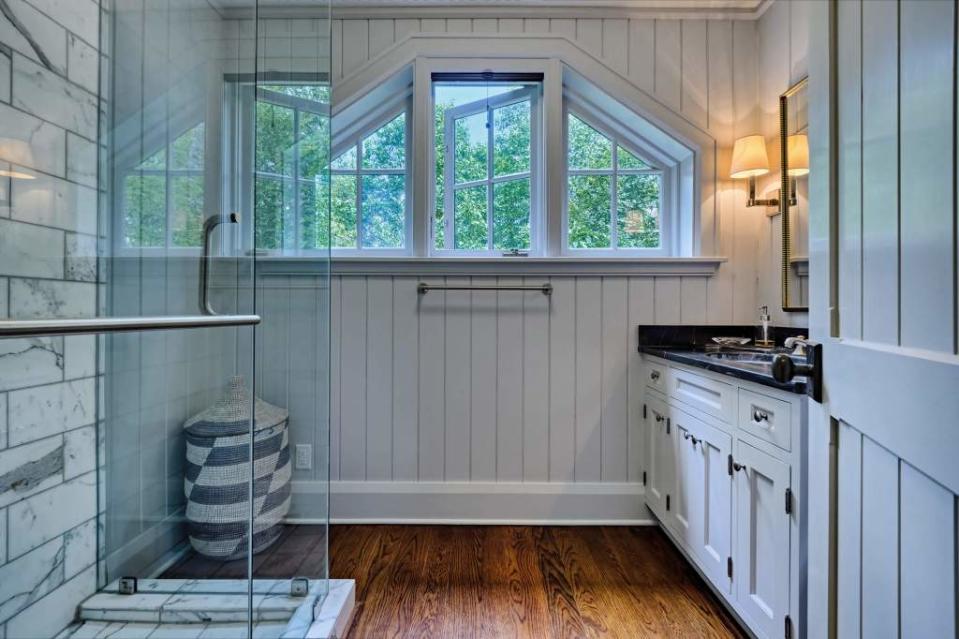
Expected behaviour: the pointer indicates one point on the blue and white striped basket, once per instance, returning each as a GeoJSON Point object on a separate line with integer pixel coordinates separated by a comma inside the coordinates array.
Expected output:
{"type": "Point", "coordinates": [218, 474]}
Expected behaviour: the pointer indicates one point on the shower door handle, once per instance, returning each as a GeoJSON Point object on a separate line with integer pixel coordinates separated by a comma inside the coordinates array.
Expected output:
{"type": "Point", "coordinates": [44, 328]}
{"type": "Point", "coordinates": [211, 223]}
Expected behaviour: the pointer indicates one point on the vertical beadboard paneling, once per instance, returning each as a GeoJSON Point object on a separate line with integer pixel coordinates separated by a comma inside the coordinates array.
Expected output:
{"type": "Point", "coordinates": [432, 391]}
{"type": "Point", "coordinates": [667, 293]}
{"type": "Point", "coordinates": [433, 25]}
{"type": "Point", "coordinates": [927, 550]}
{"type": "Point", "coordinates": [562, 380]}
{"type": "Point", "coordinates": [880, 540]}
{"type": "Point", "coordinates": [510, 25]}
{"type": "Point", "coordinates": [615, 400]}
{"type": "Point", "coordinates": [485, 25]}
{"type": "Point", "coordinates": [379, 379]}
{"type": "Point", "coordinates": [849, 538]}
{"type": "Point", "coordinates": [641, 311]}
{"type": "Point", "coordinates": [302, 376]}
{"type": "Point", "coordinates": [722, 114]}
{"type": "Point", "coordinates": [353, 375]}
{"type": "Point", "coordinates": [616, 45]}
{"type": "Point", "coordinates": [406, 27]}
{"type": "Point", "coordinates": [669, 55]}
{"type": "Point", "coordinates": [589, 363]}
{"type": "Point", "coordinates": [459, 25]}
{"type": "Point", "coordinates": [589, 34]}
{"type": "Point", "coordinates": [336, 360]}
{"type": "Point", "coordinates": [563, 27]}
{"type": "Point", "coordinates": [880, 170]}
{"type": "Point", "coordinates": [695, 72]}
{"type": "Point", "coordinates": [458, 352]}
{"type": "Point", "coordinates": [483, 371]}
{"type": "Point", "coordinates": [381, 36]}
{"type": "Point", "coordinates": [406, 351]}
{"type": "Point", "coordinates": [693, 300]}
{"type": "Point", "coordinates": [356, 44]}
{"type": "Point", "coordinates": [850, 174]}
{"type": "Point", "coordinates": [536, 382]}
{"type": "Point", "coordinates": [642, 54]}
{"type": "Point", "coordinates": [536, 25]}
{"type": "Point", "coordinates": [336, 46]}
{"type": "Point", "coordinates": [509, 382]}
{"type": "Point", "coordinates": [927, 174]}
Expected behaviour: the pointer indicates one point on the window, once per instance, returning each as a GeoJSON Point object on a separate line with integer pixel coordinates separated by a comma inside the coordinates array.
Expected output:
{"type": "Point", "coordinates": [368, 190]}
{"type": "Point", "coordinates": [487, 158]}
{"type": "Point", "coordinates": [614, 195]}
{"type": "Point", "coordinates": [292, 135]}
{"type": "Point", "coordinates": [163, 196]}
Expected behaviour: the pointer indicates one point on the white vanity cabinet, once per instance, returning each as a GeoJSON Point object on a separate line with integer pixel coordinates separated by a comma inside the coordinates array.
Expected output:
{"type": "Point", "coordinates": [722, 472]}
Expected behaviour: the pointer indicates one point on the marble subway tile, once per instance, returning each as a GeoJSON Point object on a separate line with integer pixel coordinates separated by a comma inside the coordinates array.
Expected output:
{"type": "Point", "coordinates": [141, 607]}
{"type": "Point", "coordinates": [47, 142]}
{"type": "Point", "coordinates": [30, 251]}
{"type": "Point", "coordinates": [27, 579]}
{"type": "Point", "coordinates": [30, 361]}
{"type": "Point", "coordinates": [52, 98]}
{"type": "Point", "coordinates": [81, 548]}
{"type": "Point", "coordinates": [5, 71]}
{"type": "Point", "coordinates": [80, 356]}
{"type": "Point", "coordinates": [56, 611]}
{"type": "Point", "coordinates": [49, 410]}
{"type": "Point", "coordinates": [81, 160]}
{"type": "Point", "coordinates": [55, 202]}
{"type": "Point", "coordinates": [48, 515]}
{"type": "Point", "coordinates": [79, 451]}
{"type": "Point", "coordinates": [4, 294]}
{"type": "Point", "coordinates": [41, 33]}
{"type": "Point", "coordinates": [82, 63]}
{"type": "Point", "coordinates": [49, 298]}
{"type": "Point", "coordinates": [3, 536]}
{"type": "Point", "coordinates": [27, 470]}
{"type": "Point", "coordinates": [4, 190]}
{"type": "Point", "coordinates": [81, 258]}
{"type": "Point", "coordinates": [82, 17]}
{"type": "Point", "coordinates": [3, 421]}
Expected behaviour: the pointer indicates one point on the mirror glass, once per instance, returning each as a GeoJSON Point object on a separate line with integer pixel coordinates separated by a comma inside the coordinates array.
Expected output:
{"type": "Point", "coordinates": [794, 207]}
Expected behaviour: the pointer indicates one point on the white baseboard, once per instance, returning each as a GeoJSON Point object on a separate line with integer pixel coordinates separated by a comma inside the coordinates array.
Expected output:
{"type": "Point", "coordinates": [489, 503]}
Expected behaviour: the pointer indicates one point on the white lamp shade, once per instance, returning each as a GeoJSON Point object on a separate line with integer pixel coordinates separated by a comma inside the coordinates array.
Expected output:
{"type": "Point", "coordinates": [797, 154]}
{"type": "Point", "coordinates": [15, 152]}
{"type": "Point", "coordinates": [749, 157]}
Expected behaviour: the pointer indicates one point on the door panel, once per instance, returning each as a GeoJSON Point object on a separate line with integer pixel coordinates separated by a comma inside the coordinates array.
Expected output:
{"type": "Point", "coordinates": [659, 481]}
{"type": "Point", "coordinates": [713, 542]}
{"type": "Point", "coordinates": [686, 507]}
{"type": "Point", "coordinates": [762, 550]}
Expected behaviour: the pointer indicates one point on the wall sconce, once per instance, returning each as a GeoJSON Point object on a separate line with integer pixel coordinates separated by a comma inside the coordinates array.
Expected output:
{"type": "Point", "coordinates": [750, 161]}
{"type": "Point", "coordinates": [15, 152]}
{"type": "Point", "coordinates": [797, 161]}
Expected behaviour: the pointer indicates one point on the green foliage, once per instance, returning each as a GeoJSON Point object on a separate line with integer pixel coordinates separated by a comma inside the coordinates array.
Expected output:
{"type": "Point", "coordinates": [144, 210]}
{"type": "Point", "coordinates": [589, 202]}
{"type": "Point", "coordinates": [638, 211]}
{"type": "Point", "coordinates": [588, 148]}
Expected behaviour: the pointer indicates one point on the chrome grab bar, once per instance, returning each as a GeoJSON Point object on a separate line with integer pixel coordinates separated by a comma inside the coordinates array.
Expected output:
{"type": "Point", "coordinates": [42, 328]}
{"type": "Point", "coordinates": [211, 223]}
{"type": "Point", "coordinates": [423, 288]}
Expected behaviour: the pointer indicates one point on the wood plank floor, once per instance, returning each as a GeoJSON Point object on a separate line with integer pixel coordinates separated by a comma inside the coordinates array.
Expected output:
{"type": "Point", "coordinates": [518, 581]}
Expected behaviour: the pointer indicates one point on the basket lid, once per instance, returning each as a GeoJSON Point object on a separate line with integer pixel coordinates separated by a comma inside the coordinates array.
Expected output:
{"type": "Point", "coordinates": [230, 414]}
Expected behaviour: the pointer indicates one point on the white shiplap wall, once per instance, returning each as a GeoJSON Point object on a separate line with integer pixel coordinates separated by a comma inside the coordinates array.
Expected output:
{"type": "Point", "coordinates": [515, 389]}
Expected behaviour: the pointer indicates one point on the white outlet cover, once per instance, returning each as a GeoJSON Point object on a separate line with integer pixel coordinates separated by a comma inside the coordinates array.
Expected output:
{"type": "Point", "coordinates": [304, 457]}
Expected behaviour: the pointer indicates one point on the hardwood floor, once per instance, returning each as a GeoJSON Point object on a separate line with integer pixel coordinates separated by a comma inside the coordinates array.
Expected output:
{"type": "Point", "coordinates": [513, 581]}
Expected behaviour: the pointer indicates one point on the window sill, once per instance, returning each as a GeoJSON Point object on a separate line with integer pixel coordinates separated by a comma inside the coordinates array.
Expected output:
{"type": "Point", "coordinates": [494, 266]}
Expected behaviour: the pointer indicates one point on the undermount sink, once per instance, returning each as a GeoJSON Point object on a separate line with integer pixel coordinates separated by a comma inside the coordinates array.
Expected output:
{"type": "Point", "coordinates": [752, 358]}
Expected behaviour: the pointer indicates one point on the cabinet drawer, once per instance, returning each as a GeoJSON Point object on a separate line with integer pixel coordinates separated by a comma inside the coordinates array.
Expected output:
{"type": "Point", "coordinates": [765, 417]}
{"type": "Point", "coordinates": [656, 376]}
{"type": "Point", "coordinates": [710, 396]}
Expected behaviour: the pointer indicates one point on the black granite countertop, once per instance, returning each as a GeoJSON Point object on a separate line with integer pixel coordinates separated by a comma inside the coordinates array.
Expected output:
{"type": "Point", "coordinates": [688, 345]}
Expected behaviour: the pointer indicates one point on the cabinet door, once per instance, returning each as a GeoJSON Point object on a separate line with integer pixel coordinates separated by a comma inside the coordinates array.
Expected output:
{"type": "Point", "coordinates": [713, 530]}
{"type": "Point", "coordinates": [762, 550]}
{"type": "Point", "coordinates": [660, 465]}
{"type": "Point", "coordinates": [685, 517]}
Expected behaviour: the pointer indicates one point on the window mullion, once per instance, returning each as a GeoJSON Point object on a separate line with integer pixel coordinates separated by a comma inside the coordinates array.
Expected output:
{"type": "Point", "coordinates": [613, 201]}
{"type": "Point", "coordinates": [449, 157]}
{"type": "Point", "coordinates": [359, 194]}
{"type": "Point", "coordinates": [489, 178]}
{"type": "Point", "coordinates": [297, 239]}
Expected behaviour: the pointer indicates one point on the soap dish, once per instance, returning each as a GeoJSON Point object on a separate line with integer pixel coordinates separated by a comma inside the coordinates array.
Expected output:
{"type": "Point", "coordinates": [732, 341]}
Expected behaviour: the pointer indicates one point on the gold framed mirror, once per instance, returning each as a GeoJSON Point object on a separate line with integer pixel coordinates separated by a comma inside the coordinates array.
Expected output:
{"type": "Point", "coordinates": [794, 200]}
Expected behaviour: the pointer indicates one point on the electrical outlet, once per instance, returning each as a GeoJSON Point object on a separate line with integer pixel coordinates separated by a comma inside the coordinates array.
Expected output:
{"type": "Point", "coordinates": [304, 457]}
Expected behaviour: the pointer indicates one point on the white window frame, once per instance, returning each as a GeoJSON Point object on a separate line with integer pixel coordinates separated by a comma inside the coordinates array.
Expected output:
{"type": "Point", "coordinates": [618, 136]}
{"type": "Point", "coordinates": [531, 93]}
{"type": "Point", "coordinates": [358, 131]}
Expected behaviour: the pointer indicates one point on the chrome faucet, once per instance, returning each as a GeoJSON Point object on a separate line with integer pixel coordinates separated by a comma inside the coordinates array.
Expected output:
{"type": "Point", "coordinates": [798, 344]}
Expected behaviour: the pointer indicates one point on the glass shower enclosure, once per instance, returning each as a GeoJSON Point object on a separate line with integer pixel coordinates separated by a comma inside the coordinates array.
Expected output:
{"type": "Point", "coordinates": [207, 325]}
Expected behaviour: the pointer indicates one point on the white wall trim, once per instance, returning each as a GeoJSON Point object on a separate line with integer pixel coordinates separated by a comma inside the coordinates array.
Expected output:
{"type": "Point", "coordinates": [516, 503]}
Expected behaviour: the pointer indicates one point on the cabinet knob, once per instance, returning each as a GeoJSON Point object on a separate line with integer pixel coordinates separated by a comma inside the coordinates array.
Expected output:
{"type": "Point", "coordinates": [738, 467]}
{"type": "Point", "coordinates": [659, 418]}
{"type": "Point", "coordinates": [760, 415]}
{"type": "Point", "coordinates": [654, 375]}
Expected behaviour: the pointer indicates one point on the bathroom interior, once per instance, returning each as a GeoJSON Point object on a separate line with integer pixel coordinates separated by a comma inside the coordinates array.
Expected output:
{"type": "Point", "coordinates": [471, 318]}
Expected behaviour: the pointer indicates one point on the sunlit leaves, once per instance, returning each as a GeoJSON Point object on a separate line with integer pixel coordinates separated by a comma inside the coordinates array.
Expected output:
{"type": "Point", "coordinates": [589, 203]}
{"type": "Point", "coordinates": [588, 148]}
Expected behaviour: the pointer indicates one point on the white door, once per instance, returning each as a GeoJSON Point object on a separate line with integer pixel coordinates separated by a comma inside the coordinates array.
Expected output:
{"type": "Point", "coordinates": [761, 560]}
{"type": "Point", "coordinates": [659, 478]}
{"type": "Point", "coordinates": [685, 509]}
{"type": "Point", "coordinates": [713, 526]}
{"type": "Point", "coordinates": [883, 297]}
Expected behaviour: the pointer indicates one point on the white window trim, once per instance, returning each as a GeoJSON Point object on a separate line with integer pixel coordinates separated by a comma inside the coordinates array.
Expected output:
{"type": "Point", "coordinates": [533, 95]}
{"type": "Point", "coordinates": [362, 128]}
{"type": "Point", "coordinates": [667, 214]}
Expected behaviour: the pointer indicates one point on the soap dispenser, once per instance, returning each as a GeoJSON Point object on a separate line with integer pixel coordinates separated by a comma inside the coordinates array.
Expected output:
{"type": "Point", "coordinates": [764, 329]}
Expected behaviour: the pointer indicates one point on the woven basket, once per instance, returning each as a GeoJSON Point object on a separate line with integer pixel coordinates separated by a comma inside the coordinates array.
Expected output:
{"type": "Point", "coordinates": [218, 474]}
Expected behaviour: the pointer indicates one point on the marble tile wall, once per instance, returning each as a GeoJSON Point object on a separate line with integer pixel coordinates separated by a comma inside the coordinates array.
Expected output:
{"type": "Point", "coordinates": [49, 66]}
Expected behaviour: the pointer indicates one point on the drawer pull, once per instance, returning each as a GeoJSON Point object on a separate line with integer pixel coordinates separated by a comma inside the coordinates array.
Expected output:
{"type": "Point", "coordinates": [654, 375]}
{"type": "Point", "coordinates": [738, 467]}
{"type": "Point", "coordinates": [760, 415]}
{"type": "Point", "coordinates": [691, 438]}
{"type": "Point", "coordinates": [659, 418]}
